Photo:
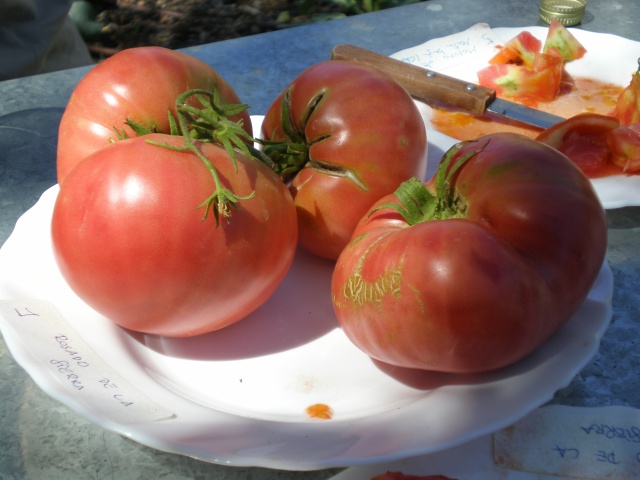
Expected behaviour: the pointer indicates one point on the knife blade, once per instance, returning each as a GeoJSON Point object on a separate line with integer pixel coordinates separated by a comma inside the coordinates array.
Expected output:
{"type": "Point", "coordinates": [432, 87]}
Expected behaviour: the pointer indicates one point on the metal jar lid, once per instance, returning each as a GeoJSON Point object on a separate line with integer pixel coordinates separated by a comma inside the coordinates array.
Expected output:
{"type": "Point", "coordinates": [567, 12]}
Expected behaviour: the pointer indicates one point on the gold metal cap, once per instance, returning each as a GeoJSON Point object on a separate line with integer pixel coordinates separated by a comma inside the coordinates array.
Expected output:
{"type": "Point", "coordinates": [567, 12]}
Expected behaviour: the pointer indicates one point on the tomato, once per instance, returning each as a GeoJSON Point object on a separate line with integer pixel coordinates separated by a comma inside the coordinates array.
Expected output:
{"type": "Point", "coordinates": [343, 135]}
{"type": "Point", "coordinates": [521, 49]}
{"type": "Point", "coordinates": [130, 240]}
{"type": "Point", "coordinates": [624, 144]}
{"type": "Point", "coordinates": [560, 38]}
{"type": "Point", "coordinates": [479, 275]}
{"type": "Point", "coordinates": [140, 84]}
{"type": "Point", "coordinates": [520, 70]}
{"type": "Point", "coordinates": [538, 82]}
{"type": "Point", "coordinates": [598, 144]}
{"type": "Point", "coordinates": [628, 104]}
{"type": "Point", "coordinates": [583, 138]}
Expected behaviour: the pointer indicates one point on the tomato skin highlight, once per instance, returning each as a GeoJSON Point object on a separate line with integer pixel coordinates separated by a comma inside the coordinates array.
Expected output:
{"type": "Point", "coordinates": [130, 241]}
{"type": "Point", "coordinates": [351, 118]}
{"type": "Point", "coordinates": [141, 84]}
{"type": "Point", "coordinates": [479, 292]}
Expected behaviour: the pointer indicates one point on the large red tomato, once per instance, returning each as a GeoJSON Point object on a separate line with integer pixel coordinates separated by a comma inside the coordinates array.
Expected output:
{"type": "Point", "coordinates": [345, 135]}
{"type": "Point", "coordinates": [140, 84]}
{"type": "Point", "coordinates": [130, 240]}
{"type": "Point", "coordinates": [481, 276]}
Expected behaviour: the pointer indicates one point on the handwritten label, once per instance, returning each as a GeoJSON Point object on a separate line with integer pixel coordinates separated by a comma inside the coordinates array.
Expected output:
{"type": "Point", "coordinates": [63, 354]}
{"type": "Point", "coordinates": [585, 443]}
{"type": "Point", "coordinates": [439, 54]}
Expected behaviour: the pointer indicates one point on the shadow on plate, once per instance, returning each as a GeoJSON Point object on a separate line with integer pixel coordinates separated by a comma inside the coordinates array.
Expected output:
{"type": "Point", "coordinates": [299, 312]}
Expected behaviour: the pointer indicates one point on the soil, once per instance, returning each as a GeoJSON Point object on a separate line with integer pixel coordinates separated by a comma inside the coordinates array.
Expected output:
{"type": "Point", "coordinates": [184, 23]}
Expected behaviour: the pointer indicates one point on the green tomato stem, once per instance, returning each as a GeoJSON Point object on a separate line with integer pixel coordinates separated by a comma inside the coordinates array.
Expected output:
{"type": "Point", "coordinates": [211, 124]}
{"type": "Point", "coordinates": [292, 154]}
{"type": "Point", "coordinates": [417, 204]}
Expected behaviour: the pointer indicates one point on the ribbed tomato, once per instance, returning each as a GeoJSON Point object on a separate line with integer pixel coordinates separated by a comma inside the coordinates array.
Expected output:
{"type": "Point", "coordinates": [477, 269]}
{"type": "Point", "coordinates": [342, 135]}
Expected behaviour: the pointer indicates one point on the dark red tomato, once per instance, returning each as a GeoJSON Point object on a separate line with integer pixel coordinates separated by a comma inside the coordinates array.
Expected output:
{"type": "Point", "coordinates": [140, 84]}
{"type": "Point", "coordinates": [130, 240]}
{"type": "Point", "coordinates": [481, 275]}
{"type": "Point", "coordinates": [583, 138]}
{"type": "Point", "coordinates": [351, 135]}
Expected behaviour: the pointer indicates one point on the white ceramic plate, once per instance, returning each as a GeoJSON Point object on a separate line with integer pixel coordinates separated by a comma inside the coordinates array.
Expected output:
{"type": "Point", "coordinates": [239, 395]}
{"type": "Point", "coordinates": [610, 59]}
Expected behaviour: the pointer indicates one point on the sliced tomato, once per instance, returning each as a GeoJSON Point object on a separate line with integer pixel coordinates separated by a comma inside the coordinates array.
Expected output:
{"type": "Point", "coordinates": [540, 82]}
{"type": "Point", "coordinates": [558, 36]}
{"type": "Point", "coordinates": [624, 143]}
{"type": "Point", "coordinates": [583, 138]}
{"type": "Point", "coordinates": [628, 105]}
{"type": "Point", "coordinates": [521, 49]}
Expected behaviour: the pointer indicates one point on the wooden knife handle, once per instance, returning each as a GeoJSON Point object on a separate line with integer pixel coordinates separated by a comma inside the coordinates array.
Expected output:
{"type": "Point", "coordinates": [422, 84]}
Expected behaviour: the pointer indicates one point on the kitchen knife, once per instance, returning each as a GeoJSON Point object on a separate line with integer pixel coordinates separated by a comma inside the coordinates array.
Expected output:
{"type": "Point", "coordinates": [430, 87]}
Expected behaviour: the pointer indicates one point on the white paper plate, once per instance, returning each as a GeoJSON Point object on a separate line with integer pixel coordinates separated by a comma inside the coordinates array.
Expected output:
{"type": "Point", "coordinates": [609, 58]}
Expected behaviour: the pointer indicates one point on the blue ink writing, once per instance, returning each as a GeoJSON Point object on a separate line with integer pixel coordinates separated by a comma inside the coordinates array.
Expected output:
{"type": "Point", "coordinates": [567, 452]}
{"type": "Point", "coordinates": [608, 457]}
{"type": "Point", "coordinates": [26, 313]}
{"type": "Point", "coordinates": [65, 369]}
{"type": "Point", "coordinates": [106, 383]}
{"type": "Point", "coordinates": [62, 341]}
{"type": "Point", "coordinates": [629, 434]}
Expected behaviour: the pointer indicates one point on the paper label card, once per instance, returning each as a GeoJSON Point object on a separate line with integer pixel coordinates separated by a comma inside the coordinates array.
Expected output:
{"type": "Point", "coordinates": [64, 355]}
{"type": "Point", "coordinates": [477, 42]}
{"type": "Point", "coordinates": [572, 442]}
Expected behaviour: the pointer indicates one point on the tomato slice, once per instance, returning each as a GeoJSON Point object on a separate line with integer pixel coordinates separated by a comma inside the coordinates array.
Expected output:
{"type": "Point", "coordinates": [540, 82]}
{"type": "Point", "coordinates": [524, 71]}
{"type": "Point", "coordinates": [558, 36]}
{"type": "Point", "coordinates": [583, 138]}
{"type": "Point", "coordinates": [521, 49]}
{"type": "Point", "coordinates": [628, 105]}
{"type": "Point", "coordinates": [624, 143]}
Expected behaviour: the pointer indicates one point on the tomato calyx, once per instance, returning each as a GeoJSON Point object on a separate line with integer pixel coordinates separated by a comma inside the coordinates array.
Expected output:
{"type": "Point", "coordinates": [210, 124]}
{"type": "Point", "coordinates": [290, 156]}
{"type": "Point", "coordinates": [417, 204]}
